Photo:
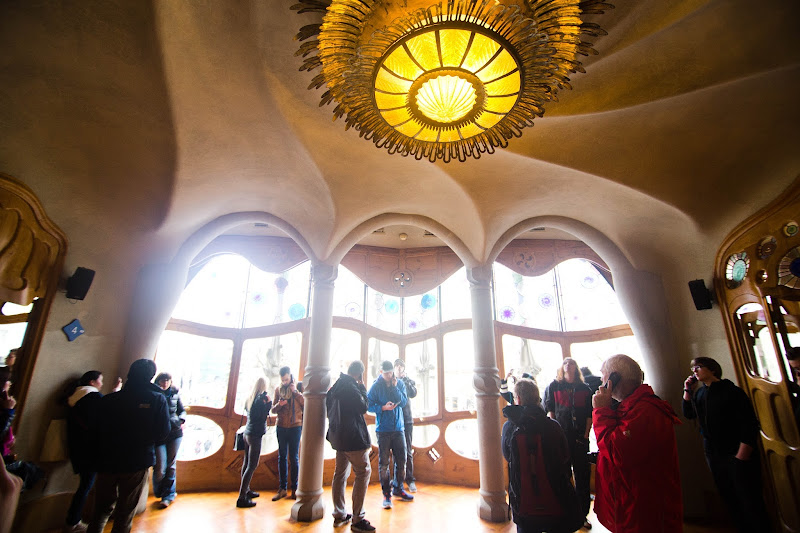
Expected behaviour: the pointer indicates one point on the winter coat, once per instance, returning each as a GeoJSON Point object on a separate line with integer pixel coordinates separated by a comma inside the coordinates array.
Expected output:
{"type": "Point", "coordinates": [353, 402]}
{"type": "Point", "coordinates": [572, 405]}
{"type": "Point", "coordinates": [725, 415]}
{"type": "Point", "coordinates": [382, 392]}
{"type": "Point", "coordinates": [637, 484]}
{"type": "Point", "coordinates": [257, 415]}
{"type": "Point", "coordinates": [129, 424]}
{"type": "Point", "coordinates": [532, 420]}
{"type": "Point", "coordinates": [81, 426]}
{"type": "Point", "coordinates": [411, 392]}
{"type": "Point", "coordinates": [290, 415]}
{"type": "Point", "coordinates": [177, 414]}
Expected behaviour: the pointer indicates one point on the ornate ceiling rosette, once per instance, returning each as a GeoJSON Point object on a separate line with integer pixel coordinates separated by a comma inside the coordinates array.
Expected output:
{"type": "Point", "coordinates": [445, 80]}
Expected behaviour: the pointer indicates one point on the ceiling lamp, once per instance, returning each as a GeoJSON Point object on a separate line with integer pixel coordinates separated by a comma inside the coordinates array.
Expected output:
{"type": "Point", "coordinates": [445, 80]}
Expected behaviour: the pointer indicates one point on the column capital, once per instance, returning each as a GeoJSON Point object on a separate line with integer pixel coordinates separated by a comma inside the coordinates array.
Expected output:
{"type": "Point", "coordinates": [480, 276]}
{"type": "Point", "coordinates": [324, 274]}
{"type": "Point", "coordinates": [486, 381]}
{"type": "Point", "coordinates": [316, 380]}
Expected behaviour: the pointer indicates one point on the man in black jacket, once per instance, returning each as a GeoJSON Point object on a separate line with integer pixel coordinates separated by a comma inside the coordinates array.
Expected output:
{"type": "Point", "coordinates": [347, 402]}
{"type": "Point", "coordinates": [730, 432]}
{"type": "Point", "coordinates": [130, 422]}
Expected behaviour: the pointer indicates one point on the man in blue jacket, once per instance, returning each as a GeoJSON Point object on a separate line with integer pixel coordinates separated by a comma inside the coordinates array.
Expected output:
{"type": "Point", "coordinates": [387, 396]}
{"type": "Point", "coordinates": [130, 422]}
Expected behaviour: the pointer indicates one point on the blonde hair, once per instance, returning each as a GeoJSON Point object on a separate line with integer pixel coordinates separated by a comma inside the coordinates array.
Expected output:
{"type": "Point", "coordinates": [258, 388]}
{"type": "Point", "coordinates": [560, 371]}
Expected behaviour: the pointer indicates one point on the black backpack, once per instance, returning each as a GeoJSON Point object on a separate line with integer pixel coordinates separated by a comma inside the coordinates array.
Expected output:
{"type": "Point", "coordinates": [541, 497]}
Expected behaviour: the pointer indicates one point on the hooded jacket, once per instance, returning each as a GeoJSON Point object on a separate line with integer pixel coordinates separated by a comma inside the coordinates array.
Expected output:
{"type": "Point", "coordinates": [381, 392]}
{"type": "Point", "coordinates": [177, 414]}
{"type": "Point", "coordinates": [637, 484]}
{"type": "Point", "coordinates": [130, 423]}
{"type": "Point", "coordinates": [81, 424]}
{"type": "Point", "coordinates": [352, 398]}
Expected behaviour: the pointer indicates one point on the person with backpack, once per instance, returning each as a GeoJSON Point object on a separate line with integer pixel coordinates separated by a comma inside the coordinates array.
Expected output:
{"type": "Point", "coordinates": [346, 403]}
{"type": "Point", "coordinates": [568, 401]}
{"type": "Point", "coordinates": [637, 483]}
{"type": "Point", "coordinates": [540, 492]}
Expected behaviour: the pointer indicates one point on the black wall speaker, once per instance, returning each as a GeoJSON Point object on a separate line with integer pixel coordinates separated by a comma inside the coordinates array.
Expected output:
{"type": "Point", "coordinates": [700, 295]}
{"type": "Point", "coordinates": [78, 284]}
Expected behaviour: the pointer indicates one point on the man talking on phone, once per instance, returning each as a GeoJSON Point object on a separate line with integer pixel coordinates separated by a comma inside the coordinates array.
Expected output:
{"type": "Point", "coordinates": [637, 485]}
{"type": "Point", "coordinates": [387, 396]}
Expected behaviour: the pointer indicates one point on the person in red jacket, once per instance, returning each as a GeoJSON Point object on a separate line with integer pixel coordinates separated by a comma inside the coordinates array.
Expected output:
{"type": "Point", "coordinates": [637, 485]}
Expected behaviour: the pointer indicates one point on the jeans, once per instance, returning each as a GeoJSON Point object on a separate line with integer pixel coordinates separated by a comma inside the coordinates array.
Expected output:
{"type": "Point", "coordinates": [164, 470]}
{"type": "Point", "coordinates": [288, 448]}
{"type": "Point", "coordinates": [124, 489]}
{"type": "Point", "coordinates": [409, 432]}
{"type": "Point", "coordinates": [360, 461]}
{"type": "Point", "coordinates": [393, 442]}
{"type": "Point", "coordinates": [79, 499]}
{"type": "Point", "coordinates": [252, 453]}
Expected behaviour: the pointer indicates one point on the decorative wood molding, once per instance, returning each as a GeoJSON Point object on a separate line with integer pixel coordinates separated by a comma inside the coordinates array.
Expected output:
{"type": "Point", "coordinates": [534, 257]}
{"type": "Point", "coordinates": [30, 244]}
{"type": "Point", "coordinates": [402, 272]}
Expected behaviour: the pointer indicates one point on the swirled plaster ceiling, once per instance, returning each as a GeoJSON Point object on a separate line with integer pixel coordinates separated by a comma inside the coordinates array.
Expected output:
{"type": "Point", "coordinates": [162, 116]}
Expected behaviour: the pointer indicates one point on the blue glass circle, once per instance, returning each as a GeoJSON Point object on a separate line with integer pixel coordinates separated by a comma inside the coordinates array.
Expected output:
{"type": "Point", "coordinates": [428, 301]}
{"type": "Point", "coordinates": [297, 311]}
{"type": "Point", "coordinates": [392, 307]}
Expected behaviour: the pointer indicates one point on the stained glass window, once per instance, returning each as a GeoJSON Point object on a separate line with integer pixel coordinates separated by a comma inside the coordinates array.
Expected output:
{"type": "Point", "coordinates": [384, 311]}
{"type": "Point", "coordinates": [592, 354]}
{"type": "Point", "coordinates": [529, 301]}
{"type": "Point", "coordinates": [345, 348]}
{"type": "Point", "coordinates": [263, 358]}
{"type": "Point", "coordinates": [216, 295]}
{"type": "Point", "coordinates": [540, 359]}
{"type": "Point", "coordinates": [459, 394]}
{"type": "Point", "coordinates": [420, 312]}
{"type": "Point", "coordinates": [348, 295]}
{"type": "Point", "coordinates": [230, 292]}
{"type": "Point", "coordinates": [462, 437]}
{"type": "Point", "coordinates": [422, 366]}
{"type": "Point", "coordinates": [200, 366]}
{"type": "Point", "coordinates": [379, 351]}
{"type": "Point", "coordinates": [589, 302]}
{"type": "Point", "coordinates": [456, 301]}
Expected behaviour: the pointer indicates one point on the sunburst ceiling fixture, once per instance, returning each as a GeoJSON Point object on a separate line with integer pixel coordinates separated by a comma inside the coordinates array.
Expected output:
{"type": "Point", "coordinates": [445, 80]}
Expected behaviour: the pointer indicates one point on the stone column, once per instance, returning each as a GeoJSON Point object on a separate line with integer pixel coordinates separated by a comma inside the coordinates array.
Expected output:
{"type": "Point", "coordinates": [316, 379]}
{"type": "Point", "coordinates": [492, 495]}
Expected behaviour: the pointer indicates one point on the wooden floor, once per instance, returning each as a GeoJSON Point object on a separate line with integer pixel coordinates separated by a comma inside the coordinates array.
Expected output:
{"type": "Point", "coordinates": [437, 508]}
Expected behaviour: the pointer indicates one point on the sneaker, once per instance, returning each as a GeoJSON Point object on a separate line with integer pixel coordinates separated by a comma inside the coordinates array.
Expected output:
{"type": "Point", "coordinates": [342, 521]}
{"type": "Point", "coordinates": [293, 495]}
{"type": "Point", "coordinates": [412, 487]}
{"type": "Point", "coordinates": [387, 502]}
{"type": "Point", "coordinates": [403, 495]}
{"type": "Point", "coordinates": [252, 494]}
{"type": "Point", "coordinates": [281, 494]}
{"type": "Point", "coordinates": [363, 526]}
{"type": "Point", "coordinates": [587, 524]}
{"type": "Point", "coordinates": [245, 504]}
{"type": "Point", "coordinates": [80, 527]}
{"type": "Point", "coordinates": [163, 504]}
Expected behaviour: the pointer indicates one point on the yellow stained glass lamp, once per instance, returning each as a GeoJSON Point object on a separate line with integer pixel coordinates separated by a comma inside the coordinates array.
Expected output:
{"type": "Point", "coordinates": [450, 80]}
